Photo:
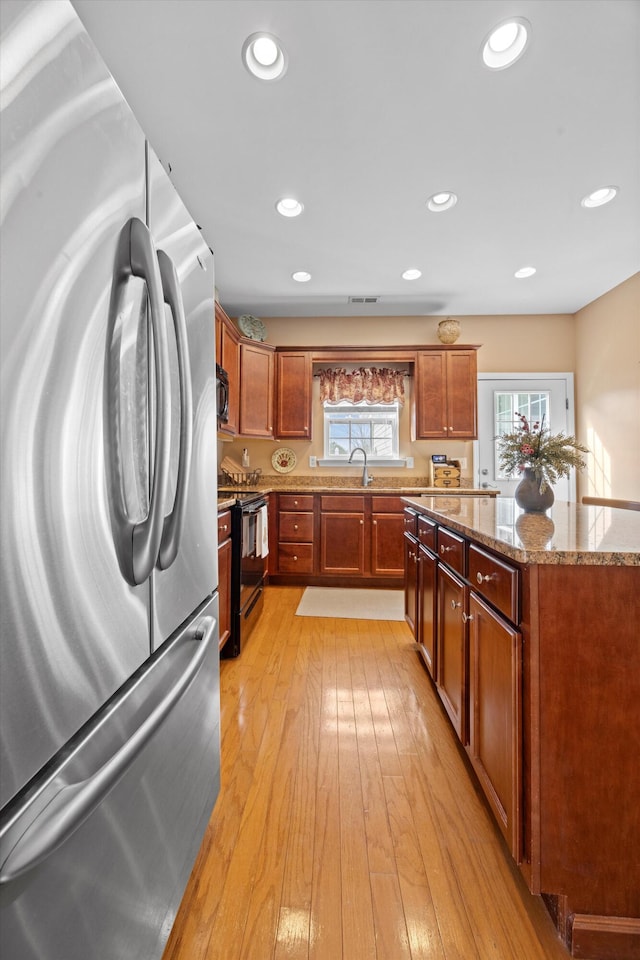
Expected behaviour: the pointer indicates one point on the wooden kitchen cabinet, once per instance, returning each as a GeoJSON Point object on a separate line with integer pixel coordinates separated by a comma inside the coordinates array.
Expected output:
{"type": "Point", "coordinates": [256, 394]}
{"type": "Point", "coordinates": [296, 534]}
{"type": "Point", "coordinates": [452, 652]}
{"type": "Point", "coordinates": [551, 697]}
{"type": "Point", "coordinates": [445, 394]}
{"type": "Point", "coordinates": [293, 395]}
{"type": "Point", "coordinates": [387, 525]}
{"type": "Point", "coordinates": [224, 576]}
{"type": "Point", "coordinates": [342, 535]}
{"type": "Point", "coordinates": [427, 608]}
{"type": "Point", "coordinates": [495, 715]}
{"type": "Point", "coordinates": [228, 356]}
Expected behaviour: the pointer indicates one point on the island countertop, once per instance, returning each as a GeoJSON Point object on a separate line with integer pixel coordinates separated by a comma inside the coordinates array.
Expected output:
{"type": "Point", "coordinates": [568, 533]}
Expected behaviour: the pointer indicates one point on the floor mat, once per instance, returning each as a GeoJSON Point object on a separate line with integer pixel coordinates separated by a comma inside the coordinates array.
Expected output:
{"type": "Point", "coordinates": [352, 603]}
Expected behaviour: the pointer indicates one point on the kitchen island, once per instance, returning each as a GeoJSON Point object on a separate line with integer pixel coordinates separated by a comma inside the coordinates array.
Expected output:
{"type": "Point", "coordinates": [528, 625]}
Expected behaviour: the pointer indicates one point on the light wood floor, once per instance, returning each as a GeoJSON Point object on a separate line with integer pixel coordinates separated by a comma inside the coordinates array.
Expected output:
{"type": "Point", "coordinates": [347, 827]}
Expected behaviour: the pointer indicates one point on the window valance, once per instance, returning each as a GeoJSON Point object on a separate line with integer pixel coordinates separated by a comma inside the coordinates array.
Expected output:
{"type": "Point", "coordinates": [366, 384]}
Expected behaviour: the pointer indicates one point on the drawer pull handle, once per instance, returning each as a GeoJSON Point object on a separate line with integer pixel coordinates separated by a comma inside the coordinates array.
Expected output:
{"type": "Point", "coordinates": [486, 577]}
{"type": "Point", "coordinates": [455, 604]}
{"type": "Point", "coordinates": [467, 617]}
{"type": "Point", "coordinates": [444, 549]}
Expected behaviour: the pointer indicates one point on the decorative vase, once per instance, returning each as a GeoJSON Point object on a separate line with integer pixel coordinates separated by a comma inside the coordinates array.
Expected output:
{"type": "Point", "coordinates": [528, 494]}
{"type": "Point", "coordinates": [449, 330]}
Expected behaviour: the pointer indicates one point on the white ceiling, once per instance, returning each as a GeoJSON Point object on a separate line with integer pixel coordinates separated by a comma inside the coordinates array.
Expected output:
{"type": "Point", "coordinates": [384, 103]}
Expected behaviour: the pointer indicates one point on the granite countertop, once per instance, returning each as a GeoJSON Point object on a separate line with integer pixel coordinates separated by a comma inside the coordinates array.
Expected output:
{"type": "Point", "coordinates": [568, 533]}
{"type": "Point", "coordinates": [308, 484]}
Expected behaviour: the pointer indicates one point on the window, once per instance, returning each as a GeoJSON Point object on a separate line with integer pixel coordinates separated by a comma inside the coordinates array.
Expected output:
{"type": "Point", "coordinates": [350, 425]}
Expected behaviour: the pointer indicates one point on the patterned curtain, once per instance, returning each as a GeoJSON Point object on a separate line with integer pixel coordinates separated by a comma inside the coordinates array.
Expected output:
{"type": "Point", "coordinates": [366, 384]}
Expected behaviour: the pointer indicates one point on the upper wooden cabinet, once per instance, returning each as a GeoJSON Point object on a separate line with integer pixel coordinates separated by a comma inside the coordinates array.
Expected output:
{"type": "Point", "coordinates": [256, 395]}
{"type": "Point", "coordinates": [228, 356]}
{"type": "Point", "coordinates": [293, 395]}
{"type": "Point", "coordinates": [445, 394]}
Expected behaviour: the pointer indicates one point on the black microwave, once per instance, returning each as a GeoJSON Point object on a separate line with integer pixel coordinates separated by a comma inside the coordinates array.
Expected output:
{"type": "Point", "coordinates": [222, 394]}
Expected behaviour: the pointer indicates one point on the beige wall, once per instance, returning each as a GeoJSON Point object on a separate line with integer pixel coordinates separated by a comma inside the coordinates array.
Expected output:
{"type": "Point", "coordinates": [608, 391]}
{"type": "Point", "coordinates": [509, 343]}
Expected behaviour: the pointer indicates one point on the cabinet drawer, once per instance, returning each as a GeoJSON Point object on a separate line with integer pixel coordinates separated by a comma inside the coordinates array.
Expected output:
{"type": "Point", "coordinates": [411, 522]}
{"type": "Point", "coordinates": [495, 580]}
{"type": "Point", "coordinates": [343, 504]}
{"type": "Point", "coordinates": [386, 504]}
{"type": "Point", "coordinates": [427, 532]}
{"type": "Point", "coordinates": [296, 501]}
{"type": "Point", "coordinates": [295, 557]}
{"type": "Point", "coordinates": [224, 526]}
{"type": "Point", "coordinates": [450, 549]}
{"type": "Point", "coordinates": [296, 527]}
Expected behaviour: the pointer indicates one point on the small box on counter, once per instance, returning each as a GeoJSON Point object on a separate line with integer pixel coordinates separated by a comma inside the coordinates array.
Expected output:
{"type": "Point", "coordinates": [444, 473]}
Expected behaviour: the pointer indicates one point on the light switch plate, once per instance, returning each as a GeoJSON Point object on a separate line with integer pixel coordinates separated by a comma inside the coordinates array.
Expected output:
{"type": "Point", "coordinates": [313, 461]}
{"type": "Point", "coordinates": [463, 462]}
{"type": "Point", "coordinates": [409, 463]}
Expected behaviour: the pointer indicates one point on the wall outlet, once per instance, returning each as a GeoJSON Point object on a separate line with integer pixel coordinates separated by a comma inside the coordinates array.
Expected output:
{"type": "Point", "coordinates": [463, 462]}
{"type": "Point", "coordinates": [409, 463]}
{"type": "Point", "coordinates": [313, 461]}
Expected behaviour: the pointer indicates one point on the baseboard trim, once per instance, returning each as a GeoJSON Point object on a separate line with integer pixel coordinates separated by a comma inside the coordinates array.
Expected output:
{"type": "Point", "coordinates": [605, 938]}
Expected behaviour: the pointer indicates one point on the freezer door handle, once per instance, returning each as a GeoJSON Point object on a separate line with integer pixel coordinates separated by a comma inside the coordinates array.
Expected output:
{"type": "Point", "coordinates": [61, 808]}
{"type": "Point", "coordinates": [137, 542]}
{"type": "Point", "coordinates": [173, 522]}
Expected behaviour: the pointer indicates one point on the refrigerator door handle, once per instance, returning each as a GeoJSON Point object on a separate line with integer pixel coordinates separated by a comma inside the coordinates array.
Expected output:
{"type": "Point", "coordinates": [61, 808]}
{"type": "Point", "coordinates": [137, 543]}
{"type": "Point", "coordinates": [173, 522]}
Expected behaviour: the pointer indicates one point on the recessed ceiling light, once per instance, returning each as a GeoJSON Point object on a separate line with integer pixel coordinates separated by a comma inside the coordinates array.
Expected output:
{"type": "Point", "coordinates": [598, 197]}
{"type": "Point", "coordinates": [506, 43]}
{"type": "Point", "coordinates": [264, 56]}
{"type": "Point", "coordinates": [441, 201]}
{"type": "Point", "coordinates": [411, 274]}
{"type": "Point", "coordinates": [289, 207]}
{"type": "Point", "coordinates": [524, 272]}
{"type": "Point", "coordinates": [301, 276]}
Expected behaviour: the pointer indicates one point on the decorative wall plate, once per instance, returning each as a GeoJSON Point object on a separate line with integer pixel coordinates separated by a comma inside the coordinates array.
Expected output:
{"type": "Point", "coordinates": [284, 460]}
{"type": "Point", "coordinates": [252, 327]}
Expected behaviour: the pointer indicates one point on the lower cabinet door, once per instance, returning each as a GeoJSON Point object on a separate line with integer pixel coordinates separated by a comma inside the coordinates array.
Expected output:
{"type": "Point", "coordinates": [495, 742]}
{"type": "Point", "coordinates": [342, 543]}
{"type": "Point", "coordinates": [411, 583]}
{"type": "Point", "coordinates": [427, 567]}
{"type": "Point", "coordinates": [387, 554]}
{"type": "Point", "coordinates": [452, 649]}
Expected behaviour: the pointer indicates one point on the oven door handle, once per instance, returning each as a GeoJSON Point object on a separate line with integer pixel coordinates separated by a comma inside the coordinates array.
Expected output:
{"type": "Point", "coordinates": [254, 507]}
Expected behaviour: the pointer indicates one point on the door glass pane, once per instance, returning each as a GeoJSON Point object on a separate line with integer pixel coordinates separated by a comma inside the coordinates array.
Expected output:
{"type": "Point", "coordinates": [534, 406]}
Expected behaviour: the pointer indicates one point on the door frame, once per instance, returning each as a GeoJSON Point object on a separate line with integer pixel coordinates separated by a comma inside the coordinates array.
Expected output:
{"type": "Point", "coordinates": [570, 411]}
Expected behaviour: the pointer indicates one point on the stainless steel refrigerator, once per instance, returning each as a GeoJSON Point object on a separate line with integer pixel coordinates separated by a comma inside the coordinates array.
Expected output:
{"type": "Point", "coordinates": [109, 698]}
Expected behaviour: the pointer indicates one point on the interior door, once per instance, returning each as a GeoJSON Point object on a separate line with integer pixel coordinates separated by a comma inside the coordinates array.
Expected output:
{"type": "Point", "coordinates": [534, 394]}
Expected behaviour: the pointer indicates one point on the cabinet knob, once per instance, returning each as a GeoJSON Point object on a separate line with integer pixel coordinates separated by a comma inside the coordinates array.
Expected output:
{"type": "Point", "coordinates": [467, 617]}
{"type": "Point", "coordinates": [362, 523]}
{"type": "Point", "coordinates": [295, 526]}
{"type": "Point", "coordinates": [444, 549]}
{"type": "Point", "coordinates": [295, 558]}
{"type": "Point", "coordinates": [484, 579]}
{"type": "Point", "coordinates": [295, 503]}
{"type": "Point", "coordinates": [455, 604]}
{"type": "Point", "coordinates": [375, 523]}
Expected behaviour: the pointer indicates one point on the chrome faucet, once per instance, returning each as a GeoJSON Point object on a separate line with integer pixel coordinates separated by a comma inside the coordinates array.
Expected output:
{"type": "Point", "coordinates": [366, 479]}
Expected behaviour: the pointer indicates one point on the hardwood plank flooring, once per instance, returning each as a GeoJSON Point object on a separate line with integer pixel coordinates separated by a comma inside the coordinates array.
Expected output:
{"type": "Point", "coordinates": [348, 826]}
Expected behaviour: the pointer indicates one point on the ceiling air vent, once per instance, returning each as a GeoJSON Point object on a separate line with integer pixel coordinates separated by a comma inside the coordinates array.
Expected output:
{"type": "Point", "coordinates": [364, 299]}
